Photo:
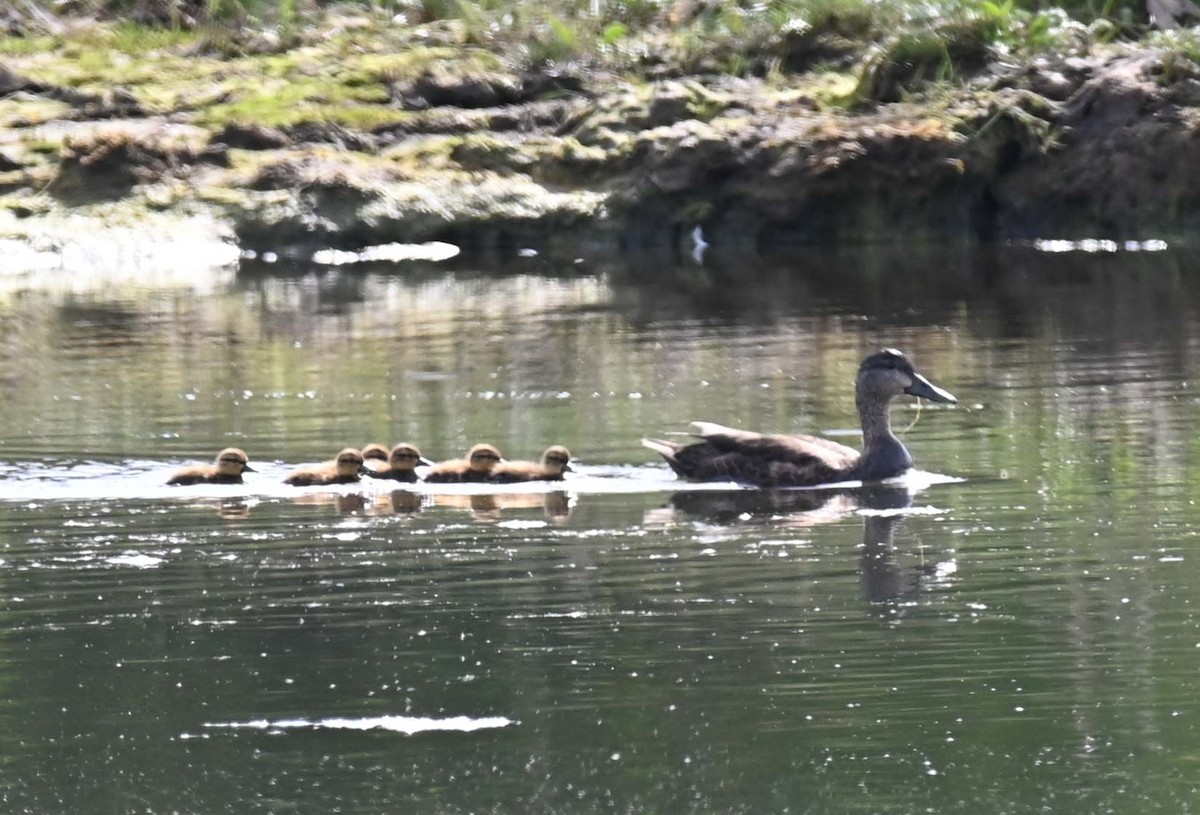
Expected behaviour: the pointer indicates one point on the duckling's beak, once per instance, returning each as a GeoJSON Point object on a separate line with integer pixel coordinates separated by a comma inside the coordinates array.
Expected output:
{"type": "Point", "coordinates": [246, 468]}
{"type": "Point", "coordinates": [424, 462]}
{"type": "Point", "coordinates": [925, 389]}
{"type": "Point", "coordinates": [567, 468]}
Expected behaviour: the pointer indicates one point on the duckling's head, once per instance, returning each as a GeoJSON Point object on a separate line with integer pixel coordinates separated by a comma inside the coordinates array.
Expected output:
{"type": "Point", "coordinates": [233, 461]}
{"type": "Point", "coordinates": [483, 457]}
{"type": "Point", "coordinates": [888, 373]}
{"type": "Point", "coordinates": [557, 460]}
{"type": "Point", "coordinates": [375, 451]}
{"type": "Point", "coordinates": [406, 456]}
{"type": "Point", "coordinates": [349, 463]}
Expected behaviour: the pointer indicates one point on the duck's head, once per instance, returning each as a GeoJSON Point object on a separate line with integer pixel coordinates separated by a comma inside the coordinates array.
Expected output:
{"type": "Point", "coordinates": [406, 456]}
{"type": "Point", "coordinates": [888, 373]}
{"type": "Point", "coordinates": [557, 460]}
{"type": "Point", "coordinates": [349, 463]}
{"type": "Point", "coordinates": [232, 461]}
{"type": "Point", "coordinates": [375, 451]}
{"type": "Point", "coordinates": [483, 457]}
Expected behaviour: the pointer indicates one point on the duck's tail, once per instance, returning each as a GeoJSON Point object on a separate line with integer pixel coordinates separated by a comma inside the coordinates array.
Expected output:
{"type": "Point", "coordinates": [668, 450]}
{"type": "Point", "coordinates": [665, 449]}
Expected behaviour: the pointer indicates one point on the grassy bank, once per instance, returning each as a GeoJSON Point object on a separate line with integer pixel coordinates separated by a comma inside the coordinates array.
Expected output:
{"type": "Point", "coordinates": [938, 38]}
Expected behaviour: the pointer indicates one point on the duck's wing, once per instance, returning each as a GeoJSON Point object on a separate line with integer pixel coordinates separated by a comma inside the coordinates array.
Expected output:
{"type": "Point", "coordinates": [756, 458]}
{"type": "Point", "coordinates": [513, 472]}
{"type": "Point", "coordinates": [788, 448]}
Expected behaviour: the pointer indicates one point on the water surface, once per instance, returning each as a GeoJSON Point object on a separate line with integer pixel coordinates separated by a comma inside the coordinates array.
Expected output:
{"type": "Point", "coordinates": [1014, 631]}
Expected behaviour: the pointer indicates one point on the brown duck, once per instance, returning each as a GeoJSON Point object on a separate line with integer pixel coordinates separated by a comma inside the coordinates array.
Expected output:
{"type": "Point", "coordinates": [345, 469]}
{"type": "Point", "coordinates": [477, 466]}
{"type": "Point", "coordinates": [227, 469]}
{"type": "Point", "coordinates": [400, 464]}
{"type": "Point", "coordinates": [555, 461]}
{"type": "Point", "coordinates": [375, 459]}
{"type": "Point", "coordinates": [724, 453]}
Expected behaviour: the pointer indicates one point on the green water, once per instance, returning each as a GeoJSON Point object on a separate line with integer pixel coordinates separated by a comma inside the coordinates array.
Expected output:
{"type": "Point", "coordinates": [1019, 635]}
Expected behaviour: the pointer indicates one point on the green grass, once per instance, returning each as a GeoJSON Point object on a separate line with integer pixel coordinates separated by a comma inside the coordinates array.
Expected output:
{"type": "Point", "coordinates": [346, 74]}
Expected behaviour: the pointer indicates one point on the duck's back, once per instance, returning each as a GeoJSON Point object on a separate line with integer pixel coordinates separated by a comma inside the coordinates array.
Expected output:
{"type": "Point", "coordinates": [318, 475]}
{"type": "Point", "coordinates": [448, 472]}
{"type": "Point", "coordinates": [201, 474]}
{"type": "Point", "coordinates": [514, 472]}
{"type": "Point", "coordinates": [757, 458]}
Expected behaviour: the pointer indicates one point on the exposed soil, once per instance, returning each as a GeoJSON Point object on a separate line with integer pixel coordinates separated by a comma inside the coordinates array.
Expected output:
{"type": "Point", "coordinates": [1098, 145]}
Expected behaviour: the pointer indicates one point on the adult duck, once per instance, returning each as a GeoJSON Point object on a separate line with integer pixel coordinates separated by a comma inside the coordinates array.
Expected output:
{"type": "Point", "coordinates": [723, 453]}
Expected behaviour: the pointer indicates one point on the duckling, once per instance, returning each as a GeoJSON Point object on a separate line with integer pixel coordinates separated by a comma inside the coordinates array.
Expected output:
{"type": "Point", "coordinates": [555, 461]}
{"type": "Point", "coordinates": [227, 469]}
{"type": "Point", "coordinates": [477, 466]}
{"type": "Point", "coordinates": [400, 464]}
{"type": "Point", "coordinates": [345, 469]}
{"type": "Point", "coordinates": [375, 458]}
{"type": "Point", "coordinates": [771, 460]}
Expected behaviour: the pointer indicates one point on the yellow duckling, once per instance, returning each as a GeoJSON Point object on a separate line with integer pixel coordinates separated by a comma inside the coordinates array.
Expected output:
{"type": "Point", "coordinates": [477, 466]}
{"type": "Point", "coordinates": [227, 469]}
{"type": "Point", "coordinates": [345, 469]}
{"type": "Point", "coordinates": [555, 461]}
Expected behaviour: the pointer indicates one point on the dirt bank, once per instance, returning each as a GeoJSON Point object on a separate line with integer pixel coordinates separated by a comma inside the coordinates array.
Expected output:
{"type": "Point", "coordinates": [354, 139]}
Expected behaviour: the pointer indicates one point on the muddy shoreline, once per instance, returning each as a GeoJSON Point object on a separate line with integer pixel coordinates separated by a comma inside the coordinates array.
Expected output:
{"type": "Point", "coordinates": [1096, 144]}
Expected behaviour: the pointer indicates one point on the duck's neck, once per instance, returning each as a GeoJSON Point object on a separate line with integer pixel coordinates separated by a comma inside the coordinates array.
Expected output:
{"type": "Point", "coordinates": [883, 455]}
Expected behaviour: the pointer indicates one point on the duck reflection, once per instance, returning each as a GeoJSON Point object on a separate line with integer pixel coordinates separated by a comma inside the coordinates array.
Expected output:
{"type": "Point", "coordinates": [491, 507]}
{"type": "Point", "coordinates": [885, 578]}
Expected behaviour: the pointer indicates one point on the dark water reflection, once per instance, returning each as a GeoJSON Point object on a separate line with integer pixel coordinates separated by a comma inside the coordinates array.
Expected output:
{"type": "Point", "coordinates": [1024, 639]}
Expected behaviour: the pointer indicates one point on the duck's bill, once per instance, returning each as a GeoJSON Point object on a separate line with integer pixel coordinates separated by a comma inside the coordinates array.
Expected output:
{"type": "Point", "coordinates": [246, 468]}
{"type": "Point", "coordinates": [424, 462]}
{"type": "Point", "coordinates": [925, 389]}
{"type": "Point", "coordinates": [567, 468]}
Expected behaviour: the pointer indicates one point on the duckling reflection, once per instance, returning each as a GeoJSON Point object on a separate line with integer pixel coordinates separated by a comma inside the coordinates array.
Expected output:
{"type": "Point", "coordinates": [345, 469]}
{"type": "Point", "coordinates": [353, 503]}
{"type": "Point", "coordinates": [477, 466]}
{"type": "Point", "coordinates": [406, 503]}
{"type": "Point", "coordinates": [227, 469]}
{"type": "Point", "coordinates": [884, 579]}
{"type": "Point", "coordinates": [233, 510]}
{"type": "Point", "coordinates": [490, 507]}
{"type": "Point", "coordinates": [397, 502]}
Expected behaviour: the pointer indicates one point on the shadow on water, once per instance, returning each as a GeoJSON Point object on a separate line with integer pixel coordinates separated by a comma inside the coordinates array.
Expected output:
{"type": "Point", "coordinates": [886, 580]}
